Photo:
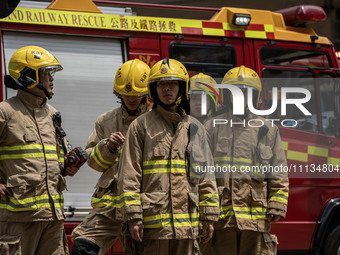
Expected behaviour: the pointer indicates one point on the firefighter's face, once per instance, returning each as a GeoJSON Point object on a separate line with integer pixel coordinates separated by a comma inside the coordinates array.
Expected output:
{"type": "Point", "coordinates": [132, 102]}
{"type": "Point", "coordinates": [46, 79]}
{"type": "Point", "coordinates": [167, 91]}
{"type": "Point", "coordinates": [196, 104]}
{"type": "Point", "coordinates": [245, 96]}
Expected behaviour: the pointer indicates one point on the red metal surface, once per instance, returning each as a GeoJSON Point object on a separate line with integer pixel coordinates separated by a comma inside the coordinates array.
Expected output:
{"type": "Point", "coordinates": [1, 68]}
{"type": "Point", "coordinates": [117, 249]}
{"type": "Point", "coordinates": [157, 6]}
{"type": "Point", "coordinates": [307, 196]}
{"type": "Point", "coordinates": [303, 13]}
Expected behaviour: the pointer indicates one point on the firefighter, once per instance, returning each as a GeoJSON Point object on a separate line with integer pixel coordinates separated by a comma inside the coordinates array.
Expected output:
{"type": "Point", "coordinates": [164, 198]}
{"type": "Point", "coordinates": [31, 201]}
{"type": "Point", "coordinates": [202, 85]}
{"type": "Point", "coordinates": [101, 227]}
{"type": "Point", "coordinates": [251, 196]}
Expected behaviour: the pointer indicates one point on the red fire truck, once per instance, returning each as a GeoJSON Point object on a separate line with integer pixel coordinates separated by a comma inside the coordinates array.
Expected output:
{"type": "Point", "coordinates": [92, 41]}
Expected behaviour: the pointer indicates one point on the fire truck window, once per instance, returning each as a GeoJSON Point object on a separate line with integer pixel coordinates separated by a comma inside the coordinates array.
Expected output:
{"type": "Point", "coordinates": [294, 118]}
{"type": "Point", "coordinates": [211, 59]}
{"type": "Point", "coordinates": [294, 57]}
{"type": "Point", "coordinates": [327, 85]}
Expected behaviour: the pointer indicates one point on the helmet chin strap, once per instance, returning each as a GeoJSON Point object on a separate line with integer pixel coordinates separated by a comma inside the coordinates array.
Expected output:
{"type": "Point", "coordinates": [48, 95]}
{"type": "Point", "coordinates": [139, 108]}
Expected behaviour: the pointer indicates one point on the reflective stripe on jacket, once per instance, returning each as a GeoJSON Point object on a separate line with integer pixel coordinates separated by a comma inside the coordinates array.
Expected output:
{"type": "Point", "coordinates": [30, 160]}
{"type": "Point", "coordinates": [103, 160]}
{"type": "Point", "coordinates": [248, 194]}
{"type": "Point", "coordinates": [155, 179]}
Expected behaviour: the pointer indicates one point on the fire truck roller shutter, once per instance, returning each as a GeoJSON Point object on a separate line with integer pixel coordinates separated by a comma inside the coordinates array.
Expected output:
{"type": "Point", "coordinates": [83, 91]}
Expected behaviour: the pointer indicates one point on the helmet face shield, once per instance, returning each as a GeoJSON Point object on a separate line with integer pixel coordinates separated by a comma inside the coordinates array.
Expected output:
{"type": "Point", "coordinates": [51, 70]}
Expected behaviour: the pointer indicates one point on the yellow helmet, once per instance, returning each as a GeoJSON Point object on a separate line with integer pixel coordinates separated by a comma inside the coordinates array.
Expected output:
{"type": "Point", "coordinates": [244, 77]}
{"type": "Point", "coordinates": [132, 79]}
{"type": "Point", "coordinates": [202, 83]}
{"type": "Point", "coordinates": [168, 69]}
{"type": "Point", "coordinates": [26, 62]}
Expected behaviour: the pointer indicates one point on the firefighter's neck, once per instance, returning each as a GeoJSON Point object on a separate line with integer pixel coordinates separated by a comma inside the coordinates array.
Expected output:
{"type": "Point", "coordinates": [172, 108]}
{"type": "Point", "coordinates": [132, 112]}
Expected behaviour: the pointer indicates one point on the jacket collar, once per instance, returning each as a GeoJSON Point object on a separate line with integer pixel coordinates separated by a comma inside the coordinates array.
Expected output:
{"type": "Point", "coordinates": [30, 99]}
{"type": "Point", "coordinates": [171, 117]}
{"type": "Point", "coordinates": [126, 115]}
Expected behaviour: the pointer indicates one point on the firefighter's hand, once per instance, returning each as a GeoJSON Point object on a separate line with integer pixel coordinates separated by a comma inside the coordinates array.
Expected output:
{"type": "Point", "coordinates": [4, 191]}
{"type": "Point", "coordinates": [136, 231]}
{"type": "Point", "coordinates": [274, 218]}
{"type": "Point", "coordinates": [207, 232]}
{"type": "Point", "coordinates": [116, 140]}
{"type": "Point", "coordinates": [71, 171]}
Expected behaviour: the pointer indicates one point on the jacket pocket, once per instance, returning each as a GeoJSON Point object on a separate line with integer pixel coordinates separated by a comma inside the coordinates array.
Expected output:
{"type": "Point", "coordinates": [62, 183]}
{"type": "Point", "coordinates": [152, 199]}
{"type": "Point", "coordinates": [159, 150]}
{"type": "Point", "coordinates": [30, 135]}
{"type": "Point", "coordinates": [193, 198]}
{"type": "Point", "coordinates": [259, 196]}
{"type": "Point", "coordinates": [152, 206]}
{"type": "Point", "coordinates": [23, 186]}
{"type": "Point", "coordinates": [266, 153]}
{"type": "Point", "coordinates": [104, 182]}
{"type": "Point", "coordinates": [193, 207]}
{"type": "Point", "coordinates": [10, 244]}
{"type": "Point", "coordinates": [270, 243]}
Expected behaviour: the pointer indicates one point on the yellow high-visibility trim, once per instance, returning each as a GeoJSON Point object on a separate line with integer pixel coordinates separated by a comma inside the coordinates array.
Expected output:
{"type": "Point", "coordinates": [96, 155]}
{"type": "Point", "coordinates": [164, 170]}
{"type": "Point", "coordinates": [164, 162]}
{"type": "Point", "coordinates": [101, 158]}
{"type": "Point", "coordinates": [169, 220]}
{"type": "Point", "coordinates": [317, 151]}
{"type": "Point", "coordinates": [213, 31]}
{"type": "Point", "coordinates": [28, 155]}
{"type": "Point", "coordinates": [204, 196]}
{"type": "Point", "coordinates": [268, 28]}
{"type": "Point", "coordinates": [279, 199]}
{"type": "Point", "coordinates": [21, 147]}
{"type": "Point", "coordinates": [209, 203]}
{"type": "Point", "coordinates": [281, 192]}
{"type": "Point", "coordinates": [120, 205]}
{"type": "Point", "coordinates": [112, 200]}
{"type": "Point", "coordinates": [155, 162]}
{"type": "Point", "coordinates": [22, 202]}
{"type": "Point", "coordinates": [41, 154]}
{"type": "Point", "coordinates": [255, 34]}
{"type": "Point", "coordinates": [333, 161]}
{"type": "Point", "coordinates": [285, 145]}
{"type": "Point", "coordinates": [297, 156]}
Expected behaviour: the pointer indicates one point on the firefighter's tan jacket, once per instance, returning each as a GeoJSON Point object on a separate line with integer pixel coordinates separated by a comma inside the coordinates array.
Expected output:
{"type": "Point", "coordinates": [249, 194]}
{"type": "Point", "coordinates": [157, 186]}
{"type": "Point", "coordinates": [100, 158]}
{"type": "Point", "coordinates": [29, 160]}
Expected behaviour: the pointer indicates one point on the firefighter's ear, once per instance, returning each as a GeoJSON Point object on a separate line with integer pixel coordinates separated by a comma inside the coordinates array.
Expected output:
{"type": "Point", "coordinates": [7, 7]}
